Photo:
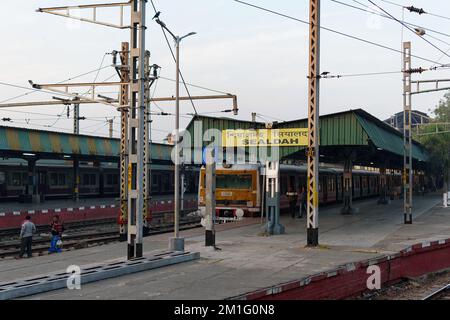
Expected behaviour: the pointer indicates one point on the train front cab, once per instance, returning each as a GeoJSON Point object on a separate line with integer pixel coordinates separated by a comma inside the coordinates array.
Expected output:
{"type": "Point", "coordinates": [237, 192]}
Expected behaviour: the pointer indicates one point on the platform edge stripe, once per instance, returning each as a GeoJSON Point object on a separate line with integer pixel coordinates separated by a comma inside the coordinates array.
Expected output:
{"type": "Point", "coordinates": [2, 214]}
{"type": "Point", "coordinates": [97, 276]}
{"type": "Point", "coordinates": [426, 244]}
{"type": "Point", "coordinates": [16, 213]}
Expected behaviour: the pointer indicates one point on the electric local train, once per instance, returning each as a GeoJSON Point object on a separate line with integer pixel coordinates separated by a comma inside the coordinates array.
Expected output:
{"type": "Point", "coordinates": [240, 188]}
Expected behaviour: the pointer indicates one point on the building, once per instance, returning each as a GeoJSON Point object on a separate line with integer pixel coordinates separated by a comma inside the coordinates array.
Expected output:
{"type": "Point", "coordinates": [417, 117]}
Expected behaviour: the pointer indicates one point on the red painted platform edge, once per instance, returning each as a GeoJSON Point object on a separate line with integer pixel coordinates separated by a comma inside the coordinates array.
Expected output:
{"type": "Point", "coordinates": [350, 279]}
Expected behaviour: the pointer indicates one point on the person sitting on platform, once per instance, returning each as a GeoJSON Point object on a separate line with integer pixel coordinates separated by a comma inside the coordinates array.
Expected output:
{"type": "Point", "coordinates": [57, 229]}
{"type": "Point", "coordinates": [26, 236]}
{"type": "Point", "coordinates": [292, 197]}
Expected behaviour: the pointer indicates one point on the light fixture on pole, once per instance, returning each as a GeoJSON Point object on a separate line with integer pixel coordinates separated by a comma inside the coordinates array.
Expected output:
{"type": "Point", "coordinates": [176, 243]}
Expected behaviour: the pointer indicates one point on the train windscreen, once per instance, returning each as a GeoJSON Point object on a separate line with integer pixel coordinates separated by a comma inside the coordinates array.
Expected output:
{"type": "Point", "coordinates": [232, 181]}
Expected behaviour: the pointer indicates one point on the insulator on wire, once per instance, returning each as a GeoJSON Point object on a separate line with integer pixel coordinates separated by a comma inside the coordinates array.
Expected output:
{"type": "Point", "coordinates": [6, 119]}
{"type": "Point", "coordinates": [415, 70]}
{"type": "Point", "coordinates": [417, 10]}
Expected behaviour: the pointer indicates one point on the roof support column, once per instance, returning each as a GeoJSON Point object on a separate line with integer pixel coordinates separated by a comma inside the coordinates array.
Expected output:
{"type": "Point", "coordinates": [348, 187]}
{"type": "Point", "coordinates": [382, 187]}
{"type": "Point", "coordinates": [76, 179]}
{"type": "Point", "coordinates": [32, 188]}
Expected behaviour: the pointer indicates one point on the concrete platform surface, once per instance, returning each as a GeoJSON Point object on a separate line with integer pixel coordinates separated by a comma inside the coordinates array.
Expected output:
{"type": "Point", "coordinates": [247, 260]}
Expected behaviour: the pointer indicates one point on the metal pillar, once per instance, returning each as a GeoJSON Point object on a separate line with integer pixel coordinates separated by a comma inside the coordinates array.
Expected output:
{"type": "Point", "coordinates": [136, 129]}
{"type": "Point", "coordinates": [177, 243]}
{"type": "Point", "coordinates": [210, 198]}
{"type": "Point", "coordinates": [313, 124]}
{"type": "Point", "coordinates": [273, 225]}
{"type": "Point", "coordinates": [407, 139]}
{"type": "Point", "coordinates": [76, 164]}
{"type": "Point", "coordinates": [147, 145]}
{"type": "Point", "coordinates": [111, 127]}
{"type": "Point", "coordinates": [32, 181]}
{"type": "Point", "coordinates": [383, 186]}
{"type": "Point", "coordinates": [348, 187]}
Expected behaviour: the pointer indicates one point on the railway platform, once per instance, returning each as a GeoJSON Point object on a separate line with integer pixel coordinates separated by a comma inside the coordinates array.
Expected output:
{"type": "Point", "coordinates": [252, 266]}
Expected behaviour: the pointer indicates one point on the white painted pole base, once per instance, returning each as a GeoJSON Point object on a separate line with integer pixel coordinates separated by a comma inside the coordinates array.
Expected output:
{"type": "Point", "coordinates": [445, 199]}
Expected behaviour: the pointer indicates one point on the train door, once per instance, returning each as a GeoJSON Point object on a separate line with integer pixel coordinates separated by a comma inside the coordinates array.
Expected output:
{"type": "Point", "coordinates": [2, 183]}
{"type": "Point", "coordinates": [42, 182]}
{"type": "Point", "coordinates": [324, 189]}
{"type": "Point", "coordinates": [101, 183]}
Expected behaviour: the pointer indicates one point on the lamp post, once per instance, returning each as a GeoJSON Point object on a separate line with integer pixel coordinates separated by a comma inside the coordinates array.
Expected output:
{"type": "Point", "coordinates": [176, 243]}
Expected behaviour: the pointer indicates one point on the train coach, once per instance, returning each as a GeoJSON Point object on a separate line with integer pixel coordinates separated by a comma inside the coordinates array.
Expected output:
{"type": "Point", "coordinates": [55, 179]}
{"type": "Point", "coordinates": [239, 188]}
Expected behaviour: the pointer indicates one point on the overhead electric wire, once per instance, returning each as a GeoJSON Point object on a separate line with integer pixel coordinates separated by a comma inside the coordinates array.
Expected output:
{"type": "Point", "coordinates": [407, 27]}
{"type": "Point", "coordinates": [174, 59]}
{"type": "Point", "coordinates": [199, 87]}
{"type": "Point", "coordinates": [429, 13]}
{"type": "Point", "coordinates": [371, 11]}
{"type": "Point", "coordinates": [38, 90]}
{"type": "Point", "coordinates": [332, 30]}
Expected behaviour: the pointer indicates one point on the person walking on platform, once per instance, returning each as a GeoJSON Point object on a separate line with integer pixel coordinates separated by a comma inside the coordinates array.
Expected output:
{"type": "Point", "coordinates": [303, 197]}
{"type": "Point", "coordinates": [292, 198]}
{"type": "Point", "coordinates": [26, 236]}
{"type": "Point", "coordinates": [57, 229]}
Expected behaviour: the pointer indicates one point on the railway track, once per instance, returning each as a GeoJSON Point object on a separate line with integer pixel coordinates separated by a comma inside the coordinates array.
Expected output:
{"type": "Point", "coordinates": [87, 239]}
{"type": "Point", "coordinates": [442, 293]}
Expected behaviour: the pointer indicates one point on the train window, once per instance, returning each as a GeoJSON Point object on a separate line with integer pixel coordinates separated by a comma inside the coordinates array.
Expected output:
{"type": "Point", "coordinates": [16, 179]}
{"type": "Point", "coordinates": [93, 179]}
{"type": "Point", "coordinates": [2, 177]}
{"type": "Point", "coordinates": [85, 179]}
{"type": "Point", "coordinates": [62, 179]}
{"type": "Point", "coordinates": [53, 179]}
{"type": "Point", "coordinates": [231, 181]}
{"type": "Point", "coordinates": [109, 179]}
{"type": "Point", "coordinates": [115, 179]}
{"type": "Point", "coordinates": [165, 182]}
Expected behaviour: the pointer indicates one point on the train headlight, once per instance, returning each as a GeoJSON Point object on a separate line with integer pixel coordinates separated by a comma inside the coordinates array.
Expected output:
{"type": "Point", "coordinates": [239, 213]}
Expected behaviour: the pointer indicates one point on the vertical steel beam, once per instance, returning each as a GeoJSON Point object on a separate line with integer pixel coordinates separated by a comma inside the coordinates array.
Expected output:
{"type": "Point", "coordinates": [407, 139]}
{"type": "Point", "coordinates": [76, 163]}
{"type": "Point", "coordinates": [136, 130]}
{"type": "Point", "coordinates": [210, 198]}
{"type": "Point", "coordinates": [124, 108]}
{"type": "Point", "coordinates": [147, 145]}
{"type": "Point", "coordinates": [348, 186]}
{"type": "Point", "coordinates": [111, 127]}
{"type": "Point", "coordinates": [313, 124]}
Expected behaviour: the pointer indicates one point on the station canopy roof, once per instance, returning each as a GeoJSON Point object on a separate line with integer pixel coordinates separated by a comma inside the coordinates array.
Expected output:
{"type": "Point", "coordinates": [354, 133]}
{"type": "Point", "coordinates": [20, 142]}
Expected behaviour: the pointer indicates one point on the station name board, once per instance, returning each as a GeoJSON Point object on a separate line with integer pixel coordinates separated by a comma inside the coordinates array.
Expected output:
{"type": "Point", "coordinates": [288, 137]}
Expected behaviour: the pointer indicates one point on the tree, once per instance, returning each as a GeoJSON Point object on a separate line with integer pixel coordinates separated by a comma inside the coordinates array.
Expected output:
{"type": "Point", "coordinates": [436, 139]}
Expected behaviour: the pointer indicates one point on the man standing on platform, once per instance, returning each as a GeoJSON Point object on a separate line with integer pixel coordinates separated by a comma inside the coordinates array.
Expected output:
{"type": "Point", "coordinates": [292, 196]}
{"type": "Point", "coordinates": [26, 236]}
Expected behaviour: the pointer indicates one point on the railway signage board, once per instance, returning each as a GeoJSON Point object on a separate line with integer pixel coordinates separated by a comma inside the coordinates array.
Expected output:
{"type": "Point", "coordinates": [287, 137]}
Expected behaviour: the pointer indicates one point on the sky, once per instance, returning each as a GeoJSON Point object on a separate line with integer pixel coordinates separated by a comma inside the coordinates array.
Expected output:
{"type": "Point", "coordinates": [260, 57]}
